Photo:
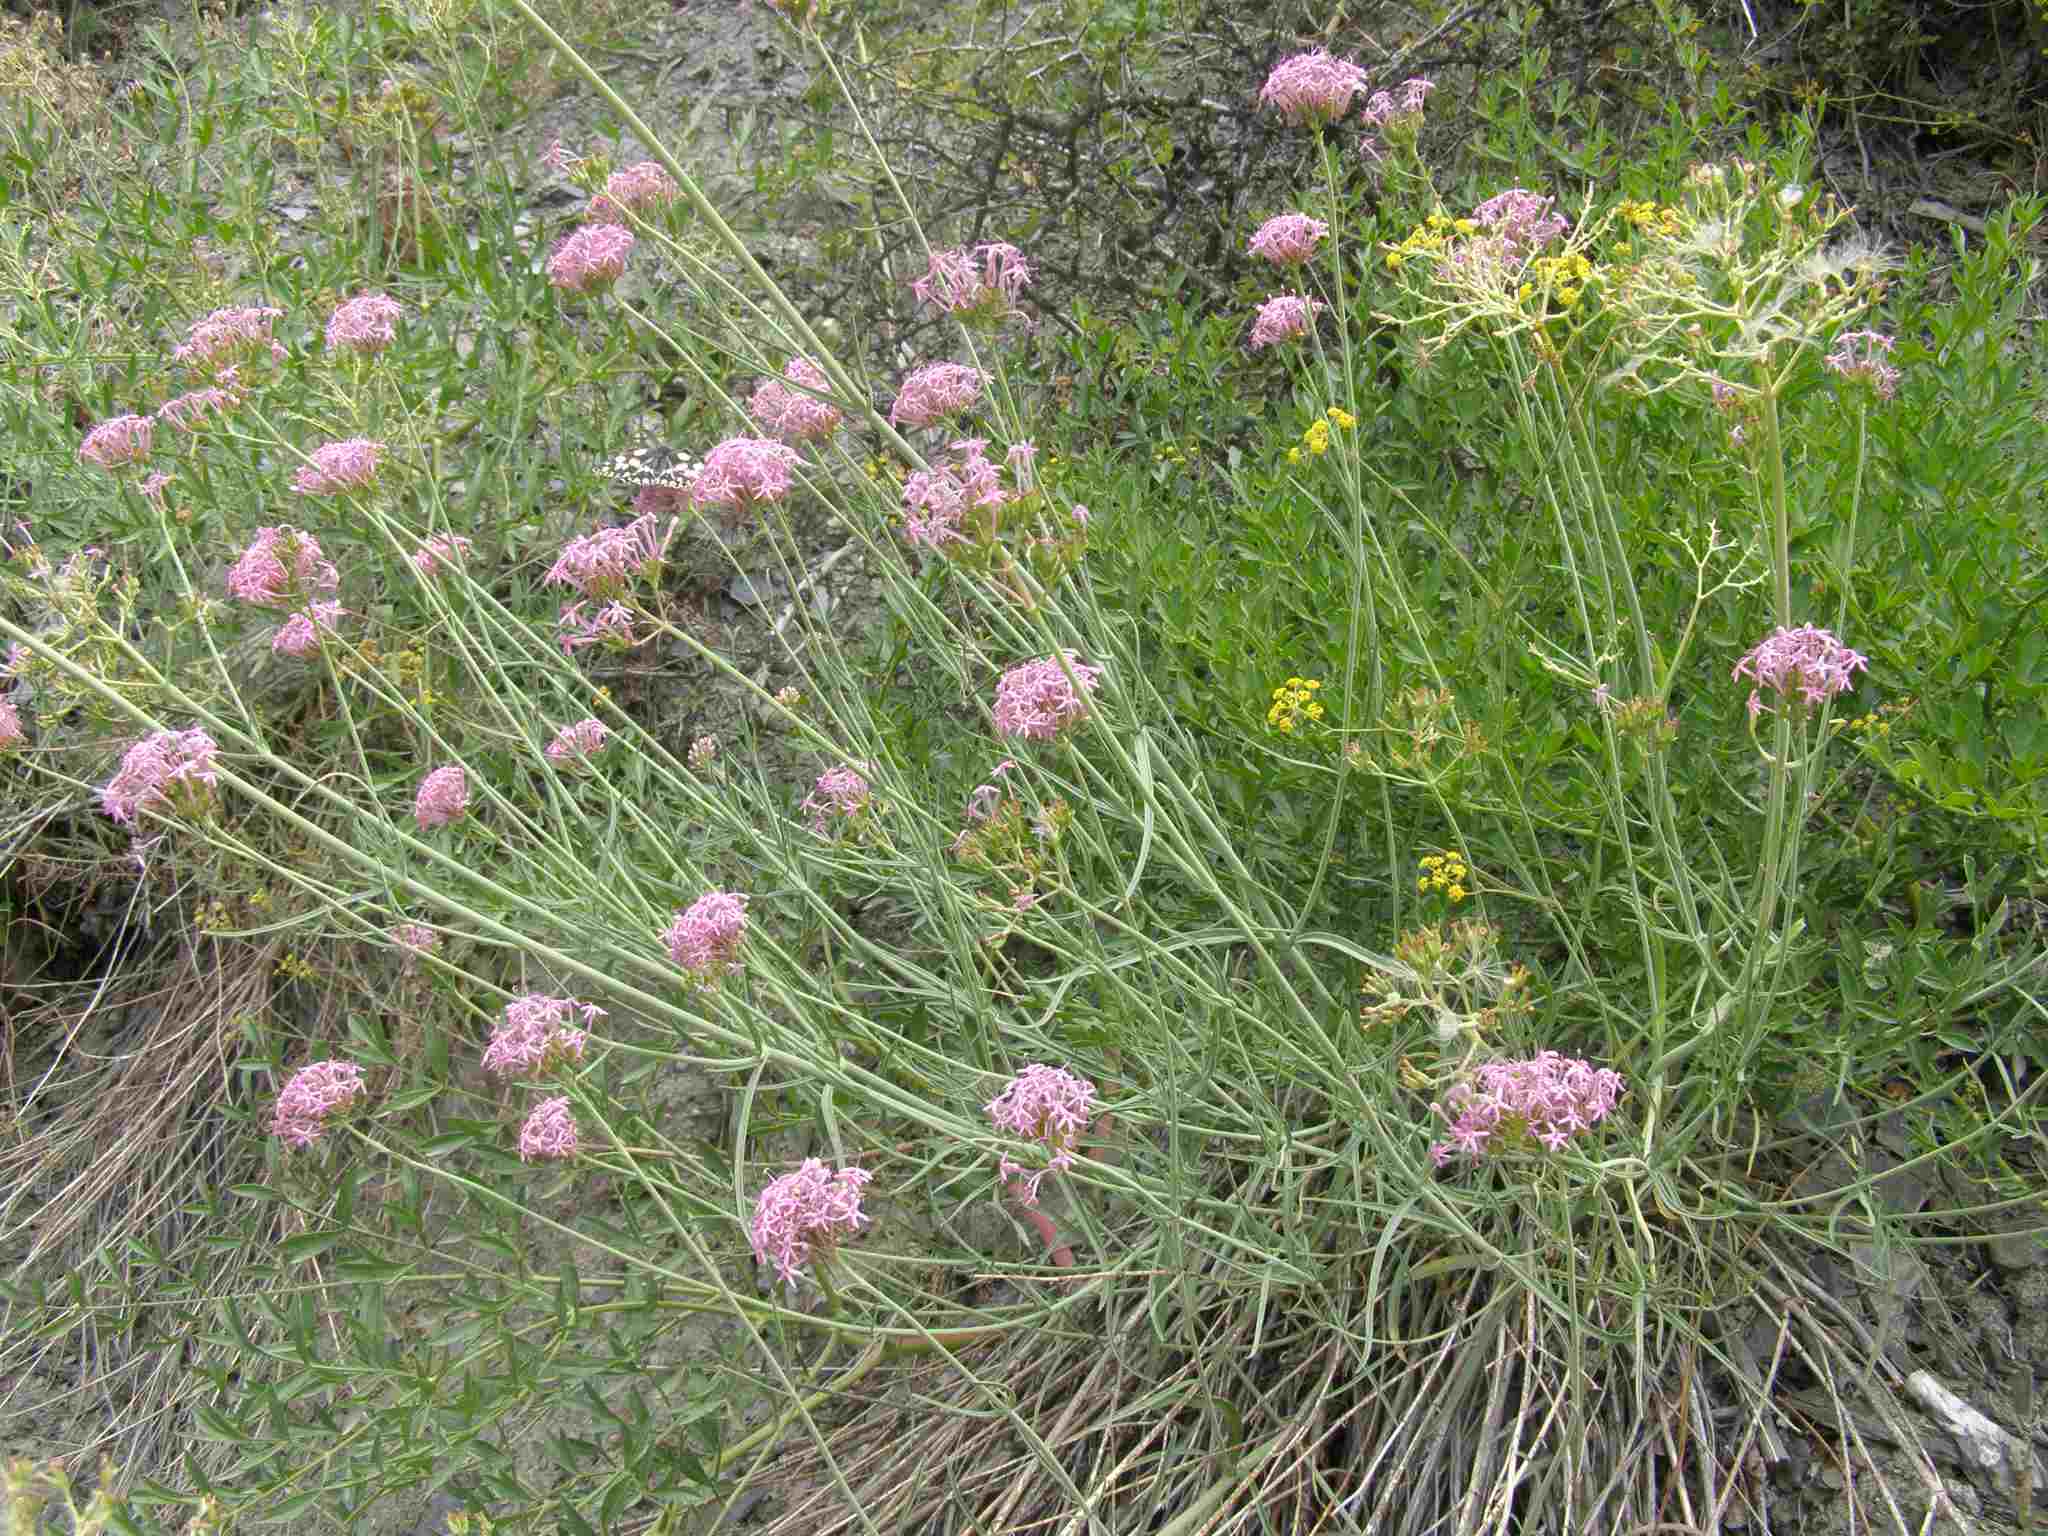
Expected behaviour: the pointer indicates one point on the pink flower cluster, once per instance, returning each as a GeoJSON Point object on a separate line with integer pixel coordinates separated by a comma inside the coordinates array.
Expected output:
{"type": "Point", "coordinates": [936, 500]}
{"type": "Point", "coordinates": [797, 415]}
{"type": "Point", "coordinates": [705, 940]}
{"type": "Point", "coordinates": [982, 284]}
{"type": "Point", "coordinates": [1314, 89]}
{"type": "Point", "coordinates": [315, 1094]}
{"type": "Point", "coordinates": [536, 1034]}
{"type": "Point", "coordinates": [590, 257]}
{"type": "Point", "coordinates": [603, 564]}
{"type": "Point", "coordinates": [1807, 659]}
{"type": "Point", "coordinates": [444, 549]}
{"type": "Point", "coordinates": [1285, 317]}
{"type": "Point", "coordinates": [934, 392]}
{"type": "Point", "coordinates": [281, 567]}
{"type": "Point", "coordinates": [349, 465]}
{"type": "Point", "coordinates": [611, 625]}
{"type": "Point", "coordinates": [367, 324]}
{"type": "Point", "coordinates": [840, 792]}
{"type": "Point", "coordinates": [1048, 1105]}
{"type": "Point", "coordinates": [549, 1134]}
{"type": "Point", "coordinates": [1037, 699]}
{"type": "Point", "coordinates": [1864, 355]}
{"type": "Point", "coordinates": [804, 1213]}
{"type": "Point", "coordinates": [982, 804]}
{"type": "Point", "coordinates": [1288, 240]}
{"type": "Point", "coordinates": [416, 937]}
{"type": "Point", "coordinates": [744, 472]}
{"type": "Point", "coordinates": [1549, 1098]}
{"type": "Point", "coordinates": [229, 336]}
{"type": "Point", "coordinates": [636, 189]}
{"type": "Point", "coordinates": [301, 635]}
{"type": "Point", "coordinates": [578, 743]}
{"type": "Point", "coordinates": [1384, 107]}
{"type": "Point", "coordinates": [443, 796]}
{"type": "Point", "coordinates": [1519, 223]}
{"type": "Point", "coordinates": [11, 733]}
{"type": "Point", "coordinates": [157, 767]}
{"type": "Point", "coordinates": [118, 442]}
{"type": "Point", "coordinates": [188, 412]}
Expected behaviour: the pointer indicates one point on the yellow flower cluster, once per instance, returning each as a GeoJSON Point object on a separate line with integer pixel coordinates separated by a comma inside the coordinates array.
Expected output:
{"type": "Point", "coordinates": [1656, 218]}
{"type": "Point", "coordinates": [1429, 238]}
{"type": "Point", "coordinates": [1565, 277]}
{"type": "Point", "coordinates": [1444, 872]}
{"type": "Point", "coordinates": [1294, 700]}
{"type": "Point", "coordinates": [1317, 438]}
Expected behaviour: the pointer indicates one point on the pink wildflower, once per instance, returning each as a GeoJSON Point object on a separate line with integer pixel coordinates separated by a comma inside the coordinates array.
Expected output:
{"type": "Point", "coordinates": [1521, 223]}
{"type": "Point", "coordinates": [444, 549]}
{"type": "Point", "coordinates": [797, 415]}
{"type": "Point", "coordinates": [611, 626]}
{"type": "Point", "coordinates": [227, 336]}
{"type": "Point", "coordinates": [557, 158]}
{"type": "Point", "coordinates": [841, 792]}
{"type": "Point", "coordinates": [744, 472]}
{"type": "Point", "coordinates": [349, 465]}
{"type": "Point", "coordinates": [804, 1214]}
{"type": "Point", "coordinates": [705, 941]}
{"type": "Point", "coordinates": [637, 188]}
{"type": "Point", "coordinates": [549, 1134]}
{"type": "Point", "coordinates": [1548, 1098]}
{"type": "Point", "coordinates": [314, 1095]}
{"type": "Point", "coordinates": [118, 442]}
{"type": "Point", "coordinates": [590, 257]}
{"type": "Point", "coordinates": [188, 412]}
{"type": "Point", "coordinates": [536, 1034]}
{"type": "Point", "coordinates": [1037, 699]}
{"type": "Point", "coordinates": [1811, 660]}
{"type": "Point", "coordinates": [1391, 114]}
{"type": "Point", "coordinates": [937, 500]}
{"type": "Point", "coordinates": [1048, 1105]}
{"type": "Point", "coordinates": [983, 284]}
{"type": "Point", "coordinates": [1288, 240]}
{"type": "Point", "coordinates": [416, 937]}
{"type": "Point", "coordinates": [156, 768]}
{"type": "Point", "coordinates": [11, 733]}
{"type": "Point", "coordinates": [443, 796]}
{"type": "Point", "coordinates": [1864, 355]}
{"type": "Point", "coordinates": [281, 566]}
{"type": "Point", "coordinates": [367, 323]}
{"type": "Point", "coordinates": [703, 752]}
{"type": "Point", "coordinates": [934, 392]}
{"type": "Point", "coordinates": [1285, 317]}
{"type": "Point", "coordinates": [603, 564]}
{"type": "Point", "coordinates": [302, 633]}
{"type": "Point", "coordinates": [153, 486]}
{"type": "Point", "coordinates": [578, 743]}
{"type": "Point", "coordinates": [981, 805]}
{"type": "Point", "coordinates": [1313, 89]}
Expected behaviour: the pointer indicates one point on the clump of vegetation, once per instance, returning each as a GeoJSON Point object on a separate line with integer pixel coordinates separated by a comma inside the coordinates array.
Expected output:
{"type": "Point", "coordinates": [1266, 975]}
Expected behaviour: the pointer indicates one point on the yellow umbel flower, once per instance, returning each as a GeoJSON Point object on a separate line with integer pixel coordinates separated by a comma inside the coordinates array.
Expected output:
{"type": "Point", "coordinates": [1294, 701]}
{"type": "Point", "coordinates": [1446, 872]}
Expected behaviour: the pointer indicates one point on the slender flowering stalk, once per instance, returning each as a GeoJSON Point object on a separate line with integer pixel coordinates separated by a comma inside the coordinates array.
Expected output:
{"type": "Point", "coordinates": [577, 744]}
{"type": "Point", "coordinates": [1048, 1105]}
{"type": "Point", "coordinates": [443, 796]}
{"type": "Point", "coordinates": [536, 1034]}
{"type": "Point", "coordinates": [801, 1216]}
{"type": "Point", "coordinates": [934, 392]}
{"type": "Point", "coordinates": [1284, 317]}
{"type": "Point", "coordinates": [166, 770]}
{"type": "Point", "coordinates": [549, 1134]}
{"type": "Point", "coordinates": [1312, 89]}
{"type": "Point", "coordinates": [366, 324]}
{"type": "Point", "coordinates": [314, 1096]}
{"type": "Point", "coordinates": [1288, 240]}
{"type": "Point", "coordinates": [1037, 700]}
{"type": "Point", "coordinates": [591, 257]}
{"type": "Point", "coordinates": [1547, 1099]}
{"type": "Point", "coordinates": [117, 443]}
{"type": "Point", "coordinates": [705, 940]}
{"type": "Point", "coordinates": [349, 465]}
{"type": "Point", "coordinates": [1807, 660]}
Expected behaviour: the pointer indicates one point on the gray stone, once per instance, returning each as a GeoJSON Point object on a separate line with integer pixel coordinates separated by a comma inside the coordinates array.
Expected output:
{"type": "Point", "coordinates": [2015, 1252]}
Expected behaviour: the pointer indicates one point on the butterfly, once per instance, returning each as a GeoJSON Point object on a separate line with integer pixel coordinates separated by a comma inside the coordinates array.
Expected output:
{"type": "Point", "coordinates": [651, 464]}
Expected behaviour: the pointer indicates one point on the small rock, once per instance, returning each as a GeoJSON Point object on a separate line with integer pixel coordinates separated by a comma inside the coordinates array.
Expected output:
{"type": "Point", "coordinates": [2012, 1252]}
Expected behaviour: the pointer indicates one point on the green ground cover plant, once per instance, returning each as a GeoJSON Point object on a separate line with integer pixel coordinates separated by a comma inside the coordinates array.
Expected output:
{"type": "Point", "coordinates": [1273, 978]}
